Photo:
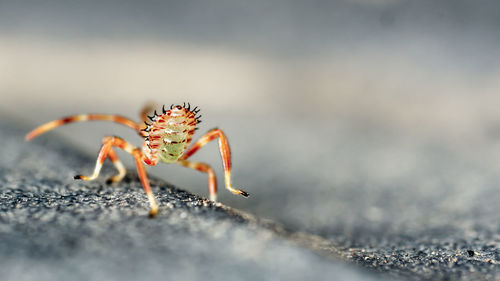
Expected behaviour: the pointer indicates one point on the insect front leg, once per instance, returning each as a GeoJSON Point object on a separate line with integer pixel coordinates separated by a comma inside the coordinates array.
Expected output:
{"type": "Point", "coordinates": [107, 142]}
{"type": "Point", "coordinates": [202, 167]}
{"type": "Point", "coordinates": [118, 165]}
{"type": "Point", "coordinates": [106, 150]}
{"type": "Point", "coordinates": [225, 153]}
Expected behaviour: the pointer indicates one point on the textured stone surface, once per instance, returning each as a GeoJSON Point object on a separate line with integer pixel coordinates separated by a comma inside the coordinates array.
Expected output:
{"type": "Point", "coordinates": [55, 228]}
{"type": "Point", "coordinates": [399, 205]}
{"type": "Point", "coordinates": [414, 205]}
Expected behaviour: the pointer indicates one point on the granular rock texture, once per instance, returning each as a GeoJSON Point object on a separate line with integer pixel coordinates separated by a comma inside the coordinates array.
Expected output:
{"type": "Point", "coordinates": [370, 205]}
{"type": "Point", "coordinates": [55, 228]}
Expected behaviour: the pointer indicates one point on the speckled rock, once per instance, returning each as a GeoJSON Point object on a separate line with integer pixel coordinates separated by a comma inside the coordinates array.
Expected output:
{"type": "Point", "coordinates": [55, 228]}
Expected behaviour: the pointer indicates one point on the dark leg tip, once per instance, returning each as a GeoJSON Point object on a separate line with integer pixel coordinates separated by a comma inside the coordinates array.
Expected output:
{"type": "Point", "coordinates": [109, 181]}
{"type": "Point", "coordinates": [78, 177]}
{"type": "Point", "coordinates": [244, 193]}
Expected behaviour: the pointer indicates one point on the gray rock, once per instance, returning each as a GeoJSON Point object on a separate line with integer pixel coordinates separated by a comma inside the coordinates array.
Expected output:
{"type": "Point", "coordinates": [419, 207]}
{"type": "Point", "coordinates": [55, 228]}
{"type": "Point", "coordinates": [404, 207]}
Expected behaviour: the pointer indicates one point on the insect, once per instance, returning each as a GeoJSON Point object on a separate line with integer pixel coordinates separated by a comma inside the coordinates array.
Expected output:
{"type": "Point", "coordinates": [166, 138]}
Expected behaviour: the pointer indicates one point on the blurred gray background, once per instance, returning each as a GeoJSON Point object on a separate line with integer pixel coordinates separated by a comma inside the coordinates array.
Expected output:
{"type": "Point", "coordinates": [344, 117]}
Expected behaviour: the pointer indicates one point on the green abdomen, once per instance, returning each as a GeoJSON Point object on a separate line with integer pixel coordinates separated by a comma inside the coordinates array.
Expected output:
{"type": "Point", "coordinates": [170, 134]}
{"type": "Point", "coordinates": [172, 147]}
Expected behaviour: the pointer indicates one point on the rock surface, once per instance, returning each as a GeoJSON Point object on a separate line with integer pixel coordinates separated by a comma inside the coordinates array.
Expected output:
{"type": "Point", "coordinates": [55, 228]}
{"type": "Point", "coordinates": [400, 206]}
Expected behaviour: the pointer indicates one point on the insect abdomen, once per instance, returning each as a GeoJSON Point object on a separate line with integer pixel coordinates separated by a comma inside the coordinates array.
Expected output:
{"type": "Point", "coordinates": [173, 144]}
{"type": "Point", "coordinates": [170, 134]}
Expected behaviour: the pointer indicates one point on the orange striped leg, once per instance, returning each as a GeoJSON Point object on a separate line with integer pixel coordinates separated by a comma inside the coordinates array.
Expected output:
{"type": "Point", "coordinates": [106, 151]}
{"type": "Point", "coordinates": [103, 153]}
{"type": "Point", "coordinates": [145, 183]}
{"type": "Point", "coordinates": [225, 153]}
{"type": "Point", "coordinates": [202, 167]}
{"type": "Point", "coordinates": [136, 152]}
{"type": "Point", "coordinates": [118, 165]}
{"type": "Point", "coordinates": [80, 118]}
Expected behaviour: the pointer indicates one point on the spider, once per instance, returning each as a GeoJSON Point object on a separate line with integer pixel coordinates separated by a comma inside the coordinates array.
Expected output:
{"type": "Point", "coordinates": [166, 137]}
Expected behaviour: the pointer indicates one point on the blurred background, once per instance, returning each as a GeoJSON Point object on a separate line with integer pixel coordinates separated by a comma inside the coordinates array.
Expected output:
{"type": "Point", "coordinates": [342, 115]}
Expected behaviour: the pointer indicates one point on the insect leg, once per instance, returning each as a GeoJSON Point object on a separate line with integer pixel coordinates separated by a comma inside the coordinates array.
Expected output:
{"type": "Point", "coordinates": [136, 152]}
{"type": "Point", "coordinates": [202, 167]}
{"type": "Point", "coordinates": [225, 153]}
{"type": "Point", "coordinates": [107, 142]}
{"type": "Point", "coordinates": [106, 151]}
{"type": "Point", "coordinates": [145, 183]}
{"type": "Point", "coordinates": [80, 118]}
{"type": "Point", "coordinates": [118, 165]}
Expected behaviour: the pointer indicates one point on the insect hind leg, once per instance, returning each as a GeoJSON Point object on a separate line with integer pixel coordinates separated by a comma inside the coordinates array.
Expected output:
{"type": "Point", "coordinates": [225, 153]}
{"type": "Point", "coordinates": [202, 167]}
